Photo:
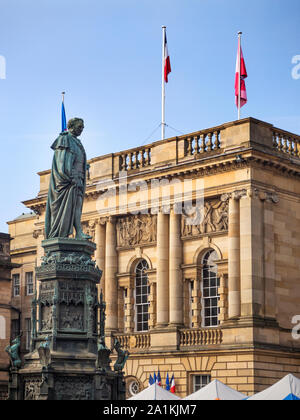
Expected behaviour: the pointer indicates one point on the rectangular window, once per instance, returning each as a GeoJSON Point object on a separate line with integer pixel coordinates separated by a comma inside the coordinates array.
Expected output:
{"type": "Point", "coordinates": [200, 381]}
{"type": "Point", "coordinates": [28, 332]}
{"type": "Point", "coordinates": [15, 328]}
{"type": "Point", "coordinates": [16, 284]}
{"type": "Point", "coordinates": [29, 283]}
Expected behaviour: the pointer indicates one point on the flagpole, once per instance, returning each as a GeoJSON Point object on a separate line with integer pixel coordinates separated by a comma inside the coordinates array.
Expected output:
{"type": "Point", "coordinates": [239, 98]}
{"type": "Point", "coordinates": [163, 84]}
{"type": "Point", "coordinates": [63, 97]}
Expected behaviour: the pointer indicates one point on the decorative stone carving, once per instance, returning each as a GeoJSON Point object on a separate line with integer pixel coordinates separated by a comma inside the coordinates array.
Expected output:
{"type": "Point", "coordinates": [32, 388]}
{"type": "Point", "coordinates": [136, 230]}
{"type": "Point", "coordinates": [74, 388]}
{"type": "Point", "coordinates": [44, 352]}
{"type": "Point", "coordinates": [212, 218]}
{"type": "Point", "coordinates": [71, 317]}
{"type": "Point", "coordinates": [47, 318]}
{"type": "Point", "coordinates": [89, 228]}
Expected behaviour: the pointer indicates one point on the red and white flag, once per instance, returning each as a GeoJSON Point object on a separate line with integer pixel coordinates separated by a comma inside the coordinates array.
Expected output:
{"type": "Point", "coordinates": [240, 75]}
{"type": "Point", "coordinates": [167, 63]}
{"type": "Point", "coordinates": [173, 388]}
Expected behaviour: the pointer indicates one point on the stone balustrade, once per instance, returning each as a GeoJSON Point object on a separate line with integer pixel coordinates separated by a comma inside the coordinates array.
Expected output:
{"type": "Point", "coordinates": [200, 337]}
{"type": "Point", "coordinates": [139, 341]}
{"type": "Point", "coordinates": [135, 159]}
{"type": "Point", "coordinates": [287, 143]}
{"type": "Point", "coordinates": [202, 142]}
{"type": "Point", "coordinates": [243, 134]}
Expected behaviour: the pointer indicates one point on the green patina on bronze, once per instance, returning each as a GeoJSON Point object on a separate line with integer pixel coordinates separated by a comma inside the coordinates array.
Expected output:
{"type": "Point", "coordinates": [13, 352]}
{"type": "Point", "coordinates": [67, 184]}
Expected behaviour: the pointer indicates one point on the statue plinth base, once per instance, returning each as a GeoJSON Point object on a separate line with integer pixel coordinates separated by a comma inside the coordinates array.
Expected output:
{"type": "Point", "coordinates": [62, 363]}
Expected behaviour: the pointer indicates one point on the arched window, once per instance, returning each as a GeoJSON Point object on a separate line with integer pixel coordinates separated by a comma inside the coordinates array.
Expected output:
{"type": "Point", "coordinates": [210, 285]}
{"type": "Point", "coordinates": [142, 290]}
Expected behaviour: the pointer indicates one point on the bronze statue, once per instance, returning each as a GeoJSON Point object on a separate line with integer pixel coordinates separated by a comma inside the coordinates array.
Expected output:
{"type": "Point", "coordinates": [44, 352]}
{"type": "Point", "coordinates": [13, 352]}
{"type": "Point", "coordinates": [122, 356]}
{"type": "Point", "coordinates": [67, 184]}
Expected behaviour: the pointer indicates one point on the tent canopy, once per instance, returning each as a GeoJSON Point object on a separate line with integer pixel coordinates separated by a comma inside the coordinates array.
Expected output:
{"type": "Point", "coordinates": [216, 390]}
{"type": "Point", "coordinates": [288, 388]}
{"type": "Point", "coordinates": [155, 392]}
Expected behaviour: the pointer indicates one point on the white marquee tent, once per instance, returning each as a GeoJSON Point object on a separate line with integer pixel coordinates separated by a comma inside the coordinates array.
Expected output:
{"type": "Point", "coordinates": [155, 392]}
{"type": "Point", "coordinates": [216, 390]}
{"type": "Point", "coordinates": [288, 388]}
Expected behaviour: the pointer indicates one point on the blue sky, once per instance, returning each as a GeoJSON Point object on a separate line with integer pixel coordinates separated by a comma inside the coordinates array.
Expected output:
{"type": "Point", "coordinates": [106, 55]}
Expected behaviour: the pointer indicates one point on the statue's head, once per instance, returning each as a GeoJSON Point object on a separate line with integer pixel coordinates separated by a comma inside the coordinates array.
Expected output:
{"type": "Point", "coordinates": [76, 126]}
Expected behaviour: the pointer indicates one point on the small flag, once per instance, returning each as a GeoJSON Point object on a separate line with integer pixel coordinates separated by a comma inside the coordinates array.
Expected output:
{"type": "Point", "coordinates": [173, 388]}
{"type": "Point", "coordinates": [151, 381]}
{"type": "Point", "coordinates": [167, 383]}
{"type": "Point", "coordinates": [167, 64]}
{"type": "Point", "coordinates": [240, 73]}
{"type": "Point", "coordinates": [154, 378]}
{"type": "Point", "coordinates": [158, 379]}
{"type": "Point", "coordinates": [63, 117]}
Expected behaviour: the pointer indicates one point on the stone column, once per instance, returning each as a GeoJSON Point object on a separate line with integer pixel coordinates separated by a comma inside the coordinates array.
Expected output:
{"type": "Point", "coordinates": [129, 311]}
{"type": "Point", "coordinates": [234, 291]}
{"type": "Point", "coordinates": [252, 255]}
{"type": "Point", "coordinates": [223, 304]}
{"type": "Point", "coordinates": [162, 269]}
{"type": "Point", "coordinates": [152, 305]}
{"type": "Point", "coordinates": [111, 268]}
{"type": "Point", "coordinates": [196, 303]}
{"type": "Point", "coordinates": [175, 272]}
{"type": "Point", "coordinates": [269, 200]}
{"type": "Point", "coordinates": [100, 251]}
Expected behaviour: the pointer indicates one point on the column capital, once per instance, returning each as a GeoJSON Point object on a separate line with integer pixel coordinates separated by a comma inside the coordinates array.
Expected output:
{"type": "Point", "coordinates": [234, 195]}
{"type": "Point", "coordinates": [263, 195]}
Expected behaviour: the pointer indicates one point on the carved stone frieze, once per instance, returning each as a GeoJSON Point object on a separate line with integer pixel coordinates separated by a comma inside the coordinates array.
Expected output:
{"type": "Point", "coordinates": [71, 317]}
{"type": "Point", "coordinates": [74, 388]}
{"type": "Point", "coordinates": [136, 230]}
{"type": "Point", "coordinates": [213, 217]}
{"type": "Point", "coordinates": [32, 388]}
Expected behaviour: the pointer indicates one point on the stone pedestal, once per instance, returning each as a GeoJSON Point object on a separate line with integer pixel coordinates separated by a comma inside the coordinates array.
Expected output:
{"type": "Point", "coordinates": [62, 364]}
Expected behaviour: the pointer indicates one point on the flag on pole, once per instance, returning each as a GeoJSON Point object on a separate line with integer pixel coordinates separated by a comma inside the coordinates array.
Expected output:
{"type": "Point", "coordinates": [63, 116]}
{"type": "Point", "coordinates": [167, 383]}
{"type": "Point", "coordinates": [154, 378]}
{"type": "Point", "coordinates": [167, 63]}
{"type": "Point", "coordinates": [158, 378]}
{"type": "Point", "coordinates": [173, 388]}
{"type": "Point", "coordinates": [151, 381]}
{"type": "Point", "coordinates": [240, 76]}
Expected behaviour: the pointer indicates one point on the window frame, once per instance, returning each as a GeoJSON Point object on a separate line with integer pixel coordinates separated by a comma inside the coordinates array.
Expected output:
{"type": "Point", "coordinates": [14, 285]}
{"type": "Point", "coordinates": [203, 298]}
{"type": "Point", "coordinates": [27, 284]}
{"type": "Point", "coordinates": [143, 305]}
{"type": "Point", "coordinates": [200, 375]}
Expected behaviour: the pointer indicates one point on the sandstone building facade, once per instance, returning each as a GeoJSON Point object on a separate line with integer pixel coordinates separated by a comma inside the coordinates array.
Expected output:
{"type": "Point", "coordinates": [198, 237]}
{"type": "Point", "coordinates": [6, 310]}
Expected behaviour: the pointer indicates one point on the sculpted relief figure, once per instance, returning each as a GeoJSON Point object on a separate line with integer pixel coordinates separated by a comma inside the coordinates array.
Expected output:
{"type": "Point", "coordinates": [214, 219]}
{"type": "Point", "coordinates": [137, 229]}
{"type": "Point", "coordinates": [67, 184]}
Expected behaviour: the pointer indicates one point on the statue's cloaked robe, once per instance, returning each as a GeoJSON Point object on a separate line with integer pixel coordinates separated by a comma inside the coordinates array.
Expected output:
{"type": "Point", "coordinates": [63, 193]}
